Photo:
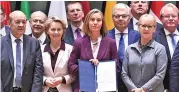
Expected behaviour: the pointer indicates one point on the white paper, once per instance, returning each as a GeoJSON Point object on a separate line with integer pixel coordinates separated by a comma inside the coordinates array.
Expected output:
{"type": "Point", "coordinates": [106, 76]}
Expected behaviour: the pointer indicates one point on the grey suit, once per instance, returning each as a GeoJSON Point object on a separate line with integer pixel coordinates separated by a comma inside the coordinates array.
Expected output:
{"type": "Point", "coordinates": [145, 68]}
{"type": "Point", "coordinates": [32, 76]}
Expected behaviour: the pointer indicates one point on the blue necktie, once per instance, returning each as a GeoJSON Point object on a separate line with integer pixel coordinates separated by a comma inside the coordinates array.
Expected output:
{"type": "Point", "coordinates": [121, 48]}
{"type": "Point", "coordinates": [18, 63]}
{"type": "Point", "coordinates": [78, 33]}
{"type": "Point", "coordinates": [173, 41]}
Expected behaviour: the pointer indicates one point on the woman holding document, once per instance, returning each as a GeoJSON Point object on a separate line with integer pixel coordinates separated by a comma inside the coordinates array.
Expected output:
{"type": "Point", "coordinates": [145, 61]}
{"type": "Point", "coordinates": [95, 46]}
{"type": "Point", "coordinates": [55, 56]}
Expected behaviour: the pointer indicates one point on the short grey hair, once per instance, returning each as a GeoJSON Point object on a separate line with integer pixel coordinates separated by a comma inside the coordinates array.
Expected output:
{"type": "Point", "coordinates": [121, 5]}
{"type": "Point", "coordinates": [168, 5]}
{"type": "Point", "coordinates": [149, 16]}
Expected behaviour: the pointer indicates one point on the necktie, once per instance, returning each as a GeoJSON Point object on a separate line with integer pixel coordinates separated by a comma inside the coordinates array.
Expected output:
{"type": "Point", "coordinates": [173, 41]}
{"type": "Point", "coordinates": [121, 48]}
{"type": "Point", "coordinates": [18, 63]}
{"type": "Point", "coordinates": [78, 33]}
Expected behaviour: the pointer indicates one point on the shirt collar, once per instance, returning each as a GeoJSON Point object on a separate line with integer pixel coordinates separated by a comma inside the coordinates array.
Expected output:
{"type": "Point", "coordinates": [41, 38]}
{"type": "Point", "coordinates": [135, 21]}
{"type": "Point", "coordinates": [149, 44]}
{"type": "Point", "coordinates": [48, 49]}
{"type": "Point", "coordinates": [74, 28]}
{"type": "Point", "coordinates": [167, 32]}
{"type": "Point", "coordinates": [13, 38]}
{"type": "Point", "coordinates": [118, 32]}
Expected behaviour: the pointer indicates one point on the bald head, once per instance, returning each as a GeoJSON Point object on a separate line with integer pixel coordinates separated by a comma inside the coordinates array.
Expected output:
{"type": "Point", "coordinates": [38, 13]}
{"type": "Point", "coordinates": [16, 13]}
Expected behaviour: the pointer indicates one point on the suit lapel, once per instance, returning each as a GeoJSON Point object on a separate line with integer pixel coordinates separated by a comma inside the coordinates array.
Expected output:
{"type": "Point", "coordinates": [10, 52]}
{"type": "Point", "coordinates": [102, 48]}
{"type": "Point", "coordinates": [70, 34]}
{"type": "Point", "coordinates": [113, 33]}
{"type": "Point", "coordinates": [130, 37]}
{"type": "Point", "coordinates": [164, 41]}
{"type": "Point", "coordinates": [26, 49]}
{"type": "Point", "coordinates": [87, 47]}
{"type": "Point", "coordinates": [130, 25]}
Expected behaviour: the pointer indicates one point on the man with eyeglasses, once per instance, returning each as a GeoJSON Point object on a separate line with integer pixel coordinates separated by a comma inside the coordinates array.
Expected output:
{"type": "Point", "coordinates": [168, 35]}
{"type": "Point", "coordinates": [123, 36]}
{"type": "Point", "coordinates": [75, 16]}
{"type": "Point", "coordinates": [37, 23]}
{"type": "Point", "coordinates": [138, 8]}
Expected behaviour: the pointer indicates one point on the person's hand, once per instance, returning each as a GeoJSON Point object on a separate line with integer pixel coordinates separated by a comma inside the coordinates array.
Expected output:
{"type": "Point", "coordinates": [137, 90]}
{"type": "Point", "coordinates": [49, 83]}
{"type": "Point", "coordinates": [57, 81]}
{"type": "Point", "coordinates": [94, 61]}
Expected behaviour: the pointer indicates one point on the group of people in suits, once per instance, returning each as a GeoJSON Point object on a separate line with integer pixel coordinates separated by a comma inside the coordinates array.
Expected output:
{"type": "Point", "coordinates": [145, 51]}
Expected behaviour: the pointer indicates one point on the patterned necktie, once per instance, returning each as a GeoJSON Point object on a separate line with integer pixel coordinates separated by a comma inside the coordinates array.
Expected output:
{"type": "Point", "coordinates": [18, 63]}
{"type": "Point", "coordinates": [78, 30]}
{"type": "Point", "coordinates": [121, 48]}
{"type": "Point", "coordinates": [173, 41]}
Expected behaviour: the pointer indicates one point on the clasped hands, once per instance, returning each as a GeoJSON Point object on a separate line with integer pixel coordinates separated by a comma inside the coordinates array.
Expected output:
{"type": "Point", "coordinates": [138, 90]}
{"type": "Point", "coordinates": [53, 82]}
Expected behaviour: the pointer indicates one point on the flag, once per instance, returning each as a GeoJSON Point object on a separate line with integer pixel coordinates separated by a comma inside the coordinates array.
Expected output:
{"type": "Point", "coordinates": [107, 6]}
{"type": "Point", "coordinates": [155, 7]}
{"type": "Point", "coordinates": [57, 8]}
{"type": "Point", "coordinates": [86, 7]}
{"type": "Point", "coordinates": [7, 10]}
{"type": "Point", "coordinates": [25, 8]}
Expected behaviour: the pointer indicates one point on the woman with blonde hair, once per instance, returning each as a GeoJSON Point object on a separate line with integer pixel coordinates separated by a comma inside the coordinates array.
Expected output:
{"type": "Point", "coordinates": [55, 56]}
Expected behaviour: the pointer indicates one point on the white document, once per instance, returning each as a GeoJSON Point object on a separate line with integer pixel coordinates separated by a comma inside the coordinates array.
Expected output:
{"type": "Point", "coordinates": [106, 76]}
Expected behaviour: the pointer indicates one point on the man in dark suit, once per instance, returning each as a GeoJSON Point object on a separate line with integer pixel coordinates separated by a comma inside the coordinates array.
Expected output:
{"type": "Point", "coordinates": [37, 23]}
{"type": "Point", "coordinates": [4, 30]}
{"type": "Point", "coordinates": [75, 16]}
{"type": "Point", "coordinates": [21, 59]}
{"type": "Point", "coordinates": [168, 35]}
{"type": "Point", "coordinates": [121, 17]}
{"type": "Point", "coordinates": [138, 8]}
{"type": "Point", "coordinates": [174, 68]}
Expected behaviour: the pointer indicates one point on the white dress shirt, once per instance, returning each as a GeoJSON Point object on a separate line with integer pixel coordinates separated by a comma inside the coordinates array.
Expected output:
{"type": "Point", "coordinates": [41, 39]}
{"type": "Point", "coordinates": [95, 53]}
{"type": "Point", "coordinates": [14, 55]}
{"type": "Point", "coordinates": [135, 24]}
{"type": "Point", "coordinates": [176, 37]}
{"type": "Point", "coordinates": [118, 36]}
{"type": "Point", "coordinates": [74, 29]}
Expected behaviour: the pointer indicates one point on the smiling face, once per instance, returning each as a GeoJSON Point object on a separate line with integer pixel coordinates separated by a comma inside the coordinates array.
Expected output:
{"type": "Point", "coordinates": [147, 26]}
{"type": "Point", "coordinates": [37, 23]}
{"type": "Point", "coordinates": [121, 18]}
{"type": "Point", "coordinates": [95, 22]}
{"type": "Point", "coordinates": [169, 18]}
{"type": "Point", "coordinates": [55, 31]}
{"type": "Point", "coordinates": [17, 23]}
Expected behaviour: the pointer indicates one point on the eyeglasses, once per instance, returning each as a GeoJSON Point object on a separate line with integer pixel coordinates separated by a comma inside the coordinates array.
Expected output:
{"type": "Point", "coordinates": [147, 26]}
{"type": "Point", "coordinates": [168, 16]}
{"type": "Point", "coordinates": [119, 16]}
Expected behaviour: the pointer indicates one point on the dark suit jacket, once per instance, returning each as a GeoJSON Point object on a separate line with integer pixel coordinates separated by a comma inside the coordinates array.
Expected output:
{"type": "Point", "coordinates": [174, 71]}
{"type": "Point", "coordinates": [160, 37]}
{"type": "Point", "coordinates": [46, 40]}
{"type": "Point", "coordinates": [130, 25]}
{"type": "Point", "coordinates": [68, 36]}
{"type": "Point", "coordinates": [32, 76]}
{"type": "Point", "coordinates": [82, 50]}
{"type": "Point", "coordinates": [7, 30]}
{"type": "Point", "coordinates": [133, 36]}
